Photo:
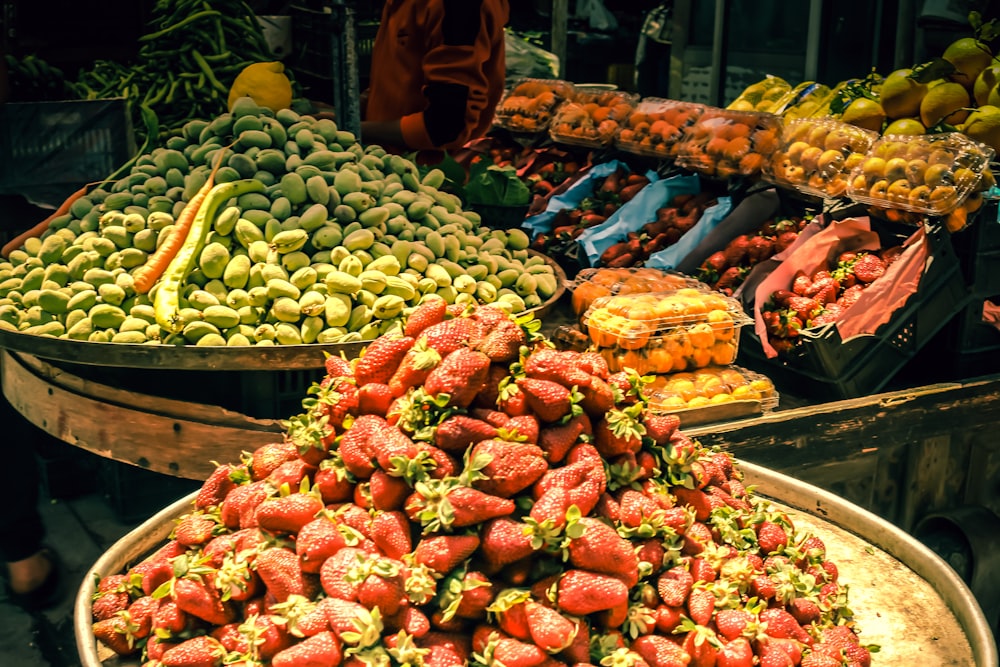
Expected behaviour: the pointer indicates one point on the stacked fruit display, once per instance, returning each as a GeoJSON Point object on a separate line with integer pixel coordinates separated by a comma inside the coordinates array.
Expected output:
{"type": "Point", "coordinates": [462, 494]}
{"type": "Point", "coordinates": [824, 296]}
{"type": "Point", "coordinates": [304, 236]}
{"type": "Point", "coordinates": [592, 117]}
{"type": "Point", "coordinates": [656, 126]}
{"type": "Point", "coordinates": [724, 143]}
{"type": "Point", "coordinates": [529, 105]}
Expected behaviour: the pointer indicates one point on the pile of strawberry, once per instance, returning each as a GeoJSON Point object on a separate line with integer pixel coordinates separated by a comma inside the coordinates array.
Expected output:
{"type": "Point", "coordinates": [463, 493]}
{"type": "Point", "coordinates": [822, 297]}
{"type": "Point", "coordinates": [726, 269]}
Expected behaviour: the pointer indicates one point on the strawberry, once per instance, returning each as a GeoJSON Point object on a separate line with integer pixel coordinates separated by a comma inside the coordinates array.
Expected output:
{"type": "Point", "coordinates": [111, 597]}
{"type": "Point", "coordinates": [560, 366]}
{"type": "Point", "coordinates": [489, 395]}
{"type": "Point", "coordinates": [659, 651]}
{"type": "Point", "coordinates": [771, 537]}
{"type": "Point", "coordinates": [451, 335]}
{"type": "Point", "coordinates": [732, 623]}
{"type": "Point", "coordinates": [338, 399]}
{"type": "Point", "coordinates": [511, 467]}
{"type": "Point", "coordinates": [668, 618]}
{"type": "Point", "coordinates": [698, 500]}
{"type": "Point", "coordinates": [503, 542]}
{"type": "Point", "coordinates": [282, 574]}
{"type": "Point", "coordinates": [619, 432]}
{"type": "Point", "coordinates": [287, 514]}
{"type": "Point", "coordinates": [202, 651]}
{"type": "Point", "coordinates": [805, 308]}
{"type": "Point", "coordinates": [459, 432]}
{"type": "Point", "coordinates": [333, 481]}
{"type": "Point", "coordinates": [522, 428]}
{"type": "Point", "coordinates": [597, 398]}
{"type": "Point", "coordinates": [581, 592]}
{"type": "Point", "coordinates": [266, 458]}
{"type": "Point", "coordinates": [318, 650]}
{"type": "Point", "coordinates": [113, 633]}
{"type": "Point", "coordinates": [801, 283]}
{"type": "Point", "coordinates": [374, 398]}
{"type": "Point", "coordinates": [461, 375]}
{"type": "Point", "coordinates": [850, 296]}
{"type": "Point", "coordinates": [446, 649]}
{"type": "Point", "coordinates": [333, 574]}
{"type": "Point", "coordinates": [318, 540]}
{"type": "Point", "coordinates": [557, 439]}
{"type": "Point", "coordinates": [428, 312]}
{"type": "Point", "coordinates": [597, 546]}
{"type": "Point", "coordinates": [804, 610]}
{"type": "Point", "coordinates": [293, 472]}
{"type": "Point", "coordinates": [550, 630]}
{"type": "Point", "coordinates": [778, 623]}
{"type": "Point", "coordinates": [503, 340]}
{"type": "Point", "coordinates": [443, 553]}
{"type": "Point", "coordinates": [737, 652]}
{"type": "Point", "coordinates": [337, 366]}
{"type": "Point", "coordinates": [268, 635]}
{"type": "Point", "coordinates": [342, 615]}
{"type": "Point", "coordinates": [468, 507]}
{"type": "Point", "coordinates": [494, 418]}
{"type": "Point", "coordinates": [831, 313]}
{"type": "Point", "coordinates": [511, 652]}
{"type": "Point", "coordinates": [357, 451]}
{"type": "Point", "coordinates": [660, 427]}
{"type": "Point", "coordinates": [549, 400]}
{"type": "Point", "coordinates": [736, 250]}
{"type": "Point", "coordinates": [674, 586]}
{"type": "Point", "coordinates": [700, 605]}
{"type": "Point", "coordinates": [198, 597]}
{"type": "Point", "coordinates": [843, 638]}
{"type": "Point", "coordinates": [773, 652]}
{"type": "Point", "coordinates": [414, 368]}
{"type": "Point", "coordinates": [381, 358]}
{"type": "Point", "coordinates": [868, 267]}
{"type": "Point", "coordinates": [820, 657]}
{"type": "Point", "coordinates": [477, 594]}
{"type": "Point", "coordinates": [381, 585]}
{"type": "Point", "coordinates": [825, 290]}
{"type": "Point", "coordinates": [700, 643]}
{"type": "Point", "coordinates": [214, 489]}
{"type": "Point", "coordinates": [411, 620]}
{"type": "Point", "coordinates": [760, 248]}
{"type": "Point", "coordinates": [512, 401]}
{"type": "Point", "coordinates": [715, 263]}
{"type": "Point", "coordinates": [391, 533]}
{"type": "Point", "coordinates": [168, 620]}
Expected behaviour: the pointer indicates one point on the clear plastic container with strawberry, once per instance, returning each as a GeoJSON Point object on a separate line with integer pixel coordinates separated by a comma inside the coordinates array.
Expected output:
{"type": "Point", "coordinates": [664, 332]}
{"type": "Point", "coordinates": [592, 117]}
{"type": "Point", "coordinates": [655, 127]}
{"type": "Point", "coordinates": [529, 104]}
{"type": "Point", "coordinates": [724, 143]}
{"type": "Point", "coordinates": [931, 173]}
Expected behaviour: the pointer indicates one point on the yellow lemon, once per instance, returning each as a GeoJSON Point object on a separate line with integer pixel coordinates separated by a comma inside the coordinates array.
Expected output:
{"type": "Point", "coordinates": [970, 57]}
{"type": "Point", "coordinates": [945, 102]}
{"type": "Point", "coordinates": [983, 125]}
{"type": "Point", "coordinates": [266, 83]}
{"type": "Point", "coordinates": [985, 83]}
{"type": "Point", "coordinates": [900, 95]}
{"type": "Point", "coordinates": [910, 126]}
{"type": "Point", "coordinates": [865, 113]}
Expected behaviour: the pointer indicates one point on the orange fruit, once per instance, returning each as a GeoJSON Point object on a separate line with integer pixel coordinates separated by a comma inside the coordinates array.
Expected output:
{"type": "Point", "coordinates": [701, 335]}
{"type": "Point", "coordinates": [723, 353]}
{"type": "Point", "coordinates": [633, 335]}
{"type": "Point", "coordinates": [701, 356]}
{"type": "Point", "coordinates": [722, 324]}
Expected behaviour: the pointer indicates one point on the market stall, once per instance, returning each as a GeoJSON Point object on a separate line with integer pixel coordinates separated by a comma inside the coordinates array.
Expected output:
{"type": "Point", "coordinates": [607, 299]}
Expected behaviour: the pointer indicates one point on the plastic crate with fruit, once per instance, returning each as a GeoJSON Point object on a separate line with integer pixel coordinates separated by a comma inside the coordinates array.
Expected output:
{"type": "Point", "coordinates": [530, 103]}
{"type": "Point", "coordinates": [817, 155]}
{"type": "Point", "coordinates": [656, 126]}
{"type": "Point", "coordinates": [593, 283]}
{"type": "Point", "coordinates": [592, 117]}
{"type": "Point", "coordinates": [724, 143]}
{"type": "Point", "coordinates": [930, 174]}
{"type": "Point", "coordinates": [713, 393]}
{"type": "Point", "coordinates": [665, 332]}
{"type": "Point", "coordinates": [827, 366]}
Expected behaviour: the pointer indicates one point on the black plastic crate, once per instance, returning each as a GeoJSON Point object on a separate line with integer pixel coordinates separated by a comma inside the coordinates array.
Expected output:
{"type": "Point", "coordinates": [967, 347]}
{"type": "Point", "coordinates": [978, 250]}
{"type": "Point", "coordinates": [825, 366]}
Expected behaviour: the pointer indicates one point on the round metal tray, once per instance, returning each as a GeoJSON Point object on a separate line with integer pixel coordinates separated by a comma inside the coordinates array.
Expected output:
{"type": "Point", "coordinates": [191, 357]}
{"type": "Point", "coordinates": [904, 596]}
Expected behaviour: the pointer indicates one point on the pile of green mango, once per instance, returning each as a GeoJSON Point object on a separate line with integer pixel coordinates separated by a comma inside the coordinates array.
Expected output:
{"type": "Point", "coordinates": [340, 244]}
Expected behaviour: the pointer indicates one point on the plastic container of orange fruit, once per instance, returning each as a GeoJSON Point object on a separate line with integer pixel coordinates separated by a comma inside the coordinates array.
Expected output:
{"type": "Point", "coordinates": [665, 332]}
{"type": "Point", "coordinates": [656, 125]}
{"type": "Point", "coordinates": [817, 155]}
{"type": "Point", "coordinates": [724, 143]}
{"type": "Point", "coordinates": [592, 117]}
{"type": "Point", "coordinates": [928, 173]}
{"type": "Point", "coordinates": [713, 393]}
{"type": "Point", "coordinates": [591, 284]}
{"type": "Point", "coordinates": [529, 104]}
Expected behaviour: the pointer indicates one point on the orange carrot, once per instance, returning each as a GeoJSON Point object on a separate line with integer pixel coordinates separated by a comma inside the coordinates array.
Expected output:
{"type": "Point", "coordinates": [146, 275]}
{"type": "Point", "coordinates": [39, 228]}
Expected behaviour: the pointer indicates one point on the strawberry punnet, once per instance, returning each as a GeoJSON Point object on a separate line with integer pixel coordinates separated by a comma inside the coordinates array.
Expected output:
{"type": "Point", "coordinates": [467, 493]}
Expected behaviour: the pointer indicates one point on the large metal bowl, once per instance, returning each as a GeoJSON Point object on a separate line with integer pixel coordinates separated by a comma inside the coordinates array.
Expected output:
{"type": "Point", "coordinates": [904, 597]}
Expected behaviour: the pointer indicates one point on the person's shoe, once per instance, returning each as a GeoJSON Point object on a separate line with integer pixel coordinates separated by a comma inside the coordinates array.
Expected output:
{"type": "Point", "coordinates": [46, 595]}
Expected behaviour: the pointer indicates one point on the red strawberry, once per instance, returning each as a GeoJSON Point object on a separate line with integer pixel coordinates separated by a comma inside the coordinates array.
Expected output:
{"type": "Point", "coordinates": [761, 248]}
{"type": "Point", "coordinates": [446, 649]}
{"type": "Point", "coordinates": [549, 400]}
{"type": "Point", "coordinates": [287, 514]}
{"type": "Point", "coordinates": [111, 597]}
{"type": "Point", "coordinates": [459, 432]}
{"type": "Point", "coordinates": [382, 587]}
{"type": "Point", "coordinates": [342, 614]}
{"type": "Point", "coordinates": [451, 335]}
{"type": "Point", "coordinates": [804, 611]}
{"type": "Point", "coordinates": [801, 283]}
{"type": "Point", "coordinates": [282, 574]}
{"type": "Point", "coordinates": [737, 249]}
{"type": "Point", "coordinates": [428, 312]}
{"type": "Point", "coordinates": [775, 652]}
{"type": "Point", "coordinates": [472, 506]}
{"type": "Point", "coordinates": [391, 533]}
{"type": "Point", "coordinates": [318, 650]}
{"type": "Point", "coordinates": [387, 492]}
{"type": "Point", "coordinates": [668, 618]}
{"type": "Point", "coordinates": [700, 605]}
{"type": "Point", "coordinates": [202, 651]}
{"type": "Point", "coordinates": [381, 358]}
{"type": "Point", "coordinates": [512, 401]}
{"type": "Point", "coordinates": [416, 365]}
{"type": "Point", "coordinates": [560, 366]}
{"type": "Point", "coordinates": [843, 638]}
{"type": "Point", "coordinates": [494, 418]}
{"type": "Point", "coordinates": [659, 651]}
{"type": "Point", "coordinates": [411, 620]}
{"type": "Point", "coordinates": [660, 427]}
{"type": "Point", "coordinates": [266, 458]}
{"type": "Point", "coordinates": [557, 439]}
{"type": "Point", "coordinates": [339, 398]}
{"type": "Point", "coordinates": [619, 432]}
{"type": "Point", "coordinates": [502, 341]}
{"type": "Point", "coordinates": [461, 375]}
{"type": "Point", "coordinates": [503, 542]}
{"type": "Point", "coordinates": [332, 481]}
{"type": "Point", "coordinates": [293, 472]}
{"type": "Point", "coordinates": [356, 449]}
{"type": "Point", "coordinates": [736, 653]}
{"type": "Point", "coordinates": [581, 592]}
{"type": "Point", "coordinates": [771, 537]}
{"type": "Point", "coordinates": [511, 652]}
{"type": "Point", "coordinates": [674, 586]}
{"type": "Point", "coordinates": [113, 633]}
{"type": "Point", "coordinates": [443, 553]}
{"type": "Point", "coordinates": [550, 630]}
{"type": "Point", "coordinates": [374, 398]}
{"type": "Point", "coordinates": [214, 489]}
{"type": "Point", "coordinates": [318, 540]}
{"type": "Point", "coordinates": [778, 623]}
{"type": "Point", "coordinates": [334, 574]}
{"type": "Point", "coordinates": [821, 657]}
{"type": "Point", "coordinates": [477, 594]}
{"type": "Point", "coordinates": [732, 623]}
{"type": "Point", "coordinates": [805, 308]}
{"type": "Point", "coordinates": [488, 396]}
{"type": "Point", "coordinates": [597, 546]}
{"type": "Point", "coordinates": [337, 366]}
{"type": "Point", "coordinates": [850, 296]}
{"type": "Point", "coordinates": [140, 615]}
{"type": "Point", "coordinates": [511, 467]}
{"type": "Point", "coordinates": [868, 267]}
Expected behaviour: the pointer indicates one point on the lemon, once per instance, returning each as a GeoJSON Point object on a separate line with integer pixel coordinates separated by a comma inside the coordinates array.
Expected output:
{"type": "Point", "coordinates": [970, 57]}
{"type": "Point", "coordinates": [864, 113]}
{"type": "Point", "coordinates": [983, 125]}
{"type": "Point", "coordinates": [266, 83]}
{"type": "Point", "coordinates": [900, 95]}
{"type": "Point", "coordinates": [944, 102]}
{"type": "Point", "coordinates": [910, 126]}
{"type": "Point", "coordinates": [985, 82]}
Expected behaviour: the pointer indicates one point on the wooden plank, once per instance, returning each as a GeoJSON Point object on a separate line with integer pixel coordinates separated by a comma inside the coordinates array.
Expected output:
{"type": "Point", "coordinates": [178, 447]}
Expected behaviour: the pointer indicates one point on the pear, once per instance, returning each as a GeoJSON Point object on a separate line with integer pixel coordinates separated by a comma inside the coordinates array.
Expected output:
{"type": "Point", "coordinates": [900, 95]}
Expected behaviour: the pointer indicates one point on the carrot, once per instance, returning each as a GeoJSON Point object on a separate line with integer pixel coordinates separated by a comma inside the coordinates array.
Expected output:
{"type": "Point", "coordinates": [146, 275]}
{"type": "Point", "coordinates": [39, 228]}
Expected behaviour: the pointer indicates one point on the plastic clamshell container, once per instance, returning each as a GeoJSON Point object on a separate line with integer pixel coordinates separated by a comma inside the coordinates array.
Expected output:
{"type": "Point", "coordinates": [804, 100]}
{"type": "Point", "coordinates": [593, 283]}
{"type": "Point", "coordinates": [724, 143]}
{"type": "Point", "coordinates": [529, 104]}
{"type": "Point", "coordinates": [665, 332]}
{"type": "Point", "coordinates": [928, 173]}
{"type": "Point", "coordinates": [817, 155]}
{"type": "Point", "coordinates": [711, 393]}
{"type": "Point", "coordinates": [592, 117]}
{"type": "Point", "coordinates": [655, 127]}
{"type": "Point", "coordinates": [764, 95]}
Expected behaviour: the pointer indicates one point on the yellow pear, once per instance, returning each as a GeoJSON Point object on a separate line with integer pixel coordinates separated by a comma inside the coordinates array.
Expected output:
{"type": "Point", "coordinates": [864, 113]}
{"type": "Point", "coordinates": [985, 83]}
{"type": "Point", "coordinates": [970, 57]}
{"type": "Point", "coordinates": [900, 95]}
{"type": "Point", "coordinates": [983, 125]}
{"type": "Point", "coordinates": [944, 102]}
